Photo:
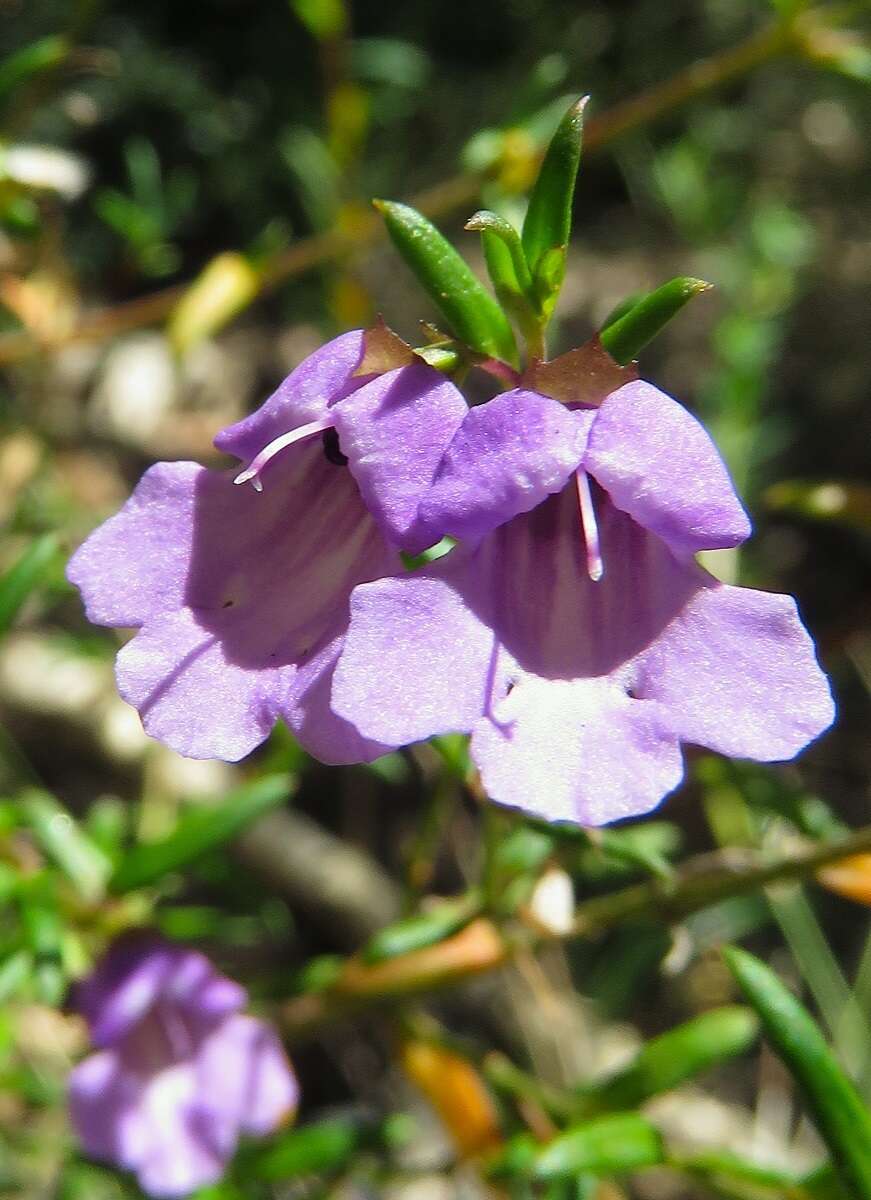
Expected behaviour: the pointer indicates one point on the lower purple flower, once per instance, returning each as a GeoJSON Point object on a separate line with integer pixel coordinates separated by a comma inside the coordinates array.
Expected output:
{"type": "Point", "coordinates": [573, 634]}
{"type": "Point", "coordinates": [180, 1073]}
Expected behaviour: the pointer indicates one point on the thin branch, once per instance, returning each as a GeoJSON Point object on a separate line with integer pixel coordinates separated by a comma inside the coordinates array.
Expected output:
{"type": "Point", "coordinates": [438, 201]}
{"type": "Point", "coordinates": [482, 946]}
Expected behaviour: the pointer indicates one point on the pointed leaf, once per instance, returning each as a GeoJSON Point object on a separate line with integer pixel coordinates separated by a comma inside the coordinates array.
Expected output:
{"type": "Point", "coordinates": [669, 1060]}
{"type": "Point", "coordinates": [64, 841]}
{"type": "Point", "coordinates": [630, 333]}
{"type": "Point", "coordinates": [25, 576]}
{"type": "Point", "coordinates": [200, 829]}
{"type": "Point", "coordinates": [423, 929]}
{"type": "Point", "coordinates": [837, 1109]}
{"type": "Point", "coordinates": [607, 1146]}
{"type": "Point", "coordinates": [30, 60]}
{"type": "Point", "coordinates": [471, 311]}
{"type": "Point", "coordinates": [324, 1146]}
{"type": "Point", "coordinates": [503, 252]}
{"type": "Point", "coordinates": [548, 221]}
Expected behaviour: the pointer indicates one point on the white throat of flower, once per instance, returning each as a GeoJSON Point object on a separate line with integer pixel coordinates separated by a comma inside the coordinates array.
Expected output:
{"type": "Point", "coordinates": [589, 526]}
{"type": "Point", "coordinates": [252, 471]}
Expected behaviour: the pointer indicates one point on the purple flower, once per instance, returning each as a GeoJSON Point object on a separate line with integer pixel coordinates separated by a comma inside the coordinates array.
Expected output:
{"type": "Point", "coordinates": [240, 593]}
{"type": "Point", "coordinates": [179, 1072]}
{"type": "Point", "coordinates": [573, 634]}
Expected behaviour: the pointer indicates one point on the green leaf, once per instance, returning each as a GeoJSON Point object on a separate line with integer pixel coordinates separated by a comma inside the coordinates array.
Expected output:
{"type": "Point", "coordinates": [37, 561]}
{"type": "Point", "coordinates": [669, 1060]}
{"type": "Point", "coordinates": [200, 829]}
{"type": "Point", "coordinates": [473, 314]}
{"type": "Point", "coordinates": [607, 1146]}
{"type": "Point", "coordinates": [30, 60]}
{"type": "Point", "coordinates": [548, 223]}
{"type": "Point", "coordinates": [624, 337]}
{"type": "Point", "coordinates": [14, 973]}
{"type": "Point", "coordinates": [724, 1166]}
{"type": "Point", "coordinates": [64, 841]}
{"type": "Point", "coordinates": [43, 932]}
{"type": "Point", "coordinates": [324, 19]}
{"type": "Point", "coordinates": [837, 1109]}
{"type": "Point", "coordinates": [314, 1149]}
{"type": "Point", "coordinates": [503, 253]}
{"type": "Point", "coordinates": [417, 932]}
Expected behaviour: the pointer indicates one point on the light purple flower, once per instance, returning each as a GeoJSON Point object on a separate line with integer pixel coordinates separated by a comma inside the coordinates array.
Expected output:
{"type": "Point", "coordinates": [179, 1072]}
{"type": "Point", "coordinates": [573, 634]}
{"type": "Point", "coordinates": [240, 593]}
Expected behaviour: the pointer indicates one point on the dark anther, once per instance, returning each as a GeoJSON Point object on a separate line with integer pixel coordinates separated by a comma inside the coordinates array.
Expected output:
{"type": "Point", "coordinates": [332, 451]}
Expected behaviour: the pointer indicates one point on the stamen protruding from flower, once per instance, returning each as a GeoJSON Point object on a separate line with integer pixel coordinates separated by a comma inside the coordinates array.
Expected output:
{"type": "Point", "coordinates": [589, 526]}
{"type": "Point", "coordinates": [252, 471]}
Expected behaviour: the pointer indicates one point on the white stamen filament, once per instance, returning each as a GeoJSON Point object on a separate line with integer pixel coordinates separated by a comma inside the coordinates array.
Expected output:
{"type": "Point", "coordinates": [252, 471]}
{"type": "Point", "coordinates": [589, 527]}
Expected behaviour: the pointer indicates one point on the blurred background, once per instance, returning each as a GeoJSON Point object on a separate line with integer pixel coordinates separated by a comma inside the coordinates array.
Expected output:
{"type": "Point", "coordinates": [184, 215]}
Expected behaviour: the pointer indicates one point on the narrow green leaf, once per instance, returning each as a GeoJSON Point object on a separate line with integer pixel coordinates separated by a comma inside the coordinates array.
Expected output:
{"type": "Point", "coordinates": [622, 308]}
{"type": "Point", "coordinates": [64, 841]}
{"type": "Point", "coordinates": [30, 60]}
{"type": "Point", "coordinates": [200, 829]}
{"type": "Point", "coordinates": [414, 933]}
{"type": "Point", "coordinates": [669, 1060]}
{"type": "Point", "coordinates": [473, 314]}
{"type": "Point", "coordinates": [322, 1147]}
{"type": "Point", "coordinates": [25, 576]}
{"type": "Point", "coordinates": [503, 253]}
{"type": "Point", "coordinates": [14, 973]}
{"type": "Point", "coordinates": [607, 1146]}
{"type": "Point", "coordinates": [724, 1165]}
{"type": "Point", "coordinates": [834, 1103]}
{"type": "Point", "coordinates": [43, 931]}
{"type": "Point", "coordinates": [548, 221]}
{"type": "Point", "coordinates": [624, 337]}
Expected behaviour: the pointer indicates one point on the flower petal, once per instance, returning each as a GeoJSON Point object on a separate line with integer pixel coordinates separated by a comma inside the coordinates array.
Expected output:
{"type": "Point", "coordinates": [100, 1091]}
{"type": "Point", "coordinates": [738, 673]}
{"type": "Point", "coordinates": [427, 653]}
{"type": "Point", "coordinates": [191, 695]}
{"type": "Point", "coordinates": [659, 465]}
{"type": "Point", "coordinates": [244, 1078]}
{"type": "Point", "coordinates": [135, 564]}
{"type": "Point", "coordinates": [394, 432]}
{"type": "Point", "coordinates": [141, 968]}
{"type": "Point", "coordinates": [417, 656]}
{"type": "Point", "coordinates": [579, 751]}
{"type": "Point", "coordinates": [507, 456]}
{"type": "Point", "coordinates": [166, 1139]}
{"type": "Point", "coordinates": [308, 712]}
{"type": "Point", "coordinates": [304, 396]}
{"type": "Point", "coordinates": [266, 588]}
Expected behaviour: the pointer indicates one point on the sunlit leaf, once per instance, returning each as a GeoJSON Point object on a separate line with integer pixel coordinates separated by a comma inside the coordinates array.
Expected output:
{"type": "Point", "coordinates": [472, 313]}
{"type": "Point", "coordinates": [838, 1111]}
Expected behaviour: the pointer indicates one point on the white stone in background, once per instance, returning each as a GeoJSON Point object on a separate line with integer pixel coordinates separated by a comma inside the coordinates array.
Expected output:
{"type": "Point", "coordinates": [45, 677]}
{"type": "Point", "coordinates": [138, 387]}
{"type": "Point", "coordinates": [552, 903]}
{"type": "Point", "coordinates": [47, 168]}
{"type": "Point", "coordinates": [195, 779]}
{"type": "Point", "coordinates": [120, 732]}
